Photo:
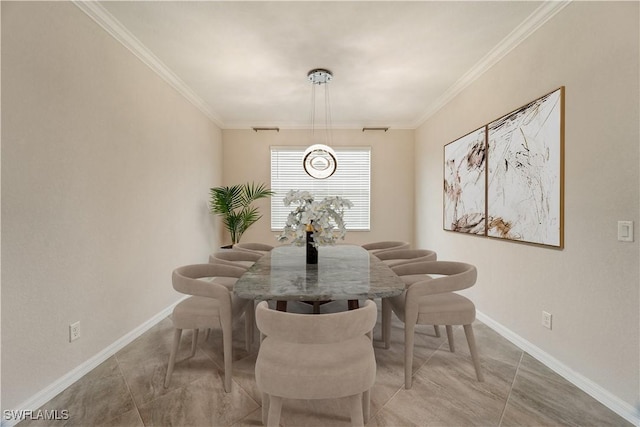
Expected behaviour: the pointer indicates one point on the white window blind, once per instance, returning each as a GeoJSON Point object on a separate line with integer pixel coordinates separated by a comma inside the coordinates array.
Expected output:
{"type": "Point", "coordinates": [351, 181]}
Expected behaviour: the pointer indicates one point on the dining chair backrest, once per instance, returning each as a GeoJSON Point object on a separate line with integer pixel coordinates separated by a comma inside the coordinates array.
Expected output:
{"type": "Point", "coordinates": [316, 328]}
{"type": "Point", "coordinates": [261, 248]}
{"type": "Point", "coordinates": [238, 258]}
{"type": "Point", "coordinates": [452, 276]}
{"type": "Point", "coordinates": [186, 279]}
{"type": "Point", "coordinates": [395, 257]}
{"type": "Point", "coordinates": [377, 247]}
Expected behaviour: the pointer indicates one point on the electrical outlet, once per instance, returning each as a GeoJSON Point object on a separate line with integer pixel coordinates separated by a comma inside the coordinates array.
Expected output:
{"type": "Point", "coordinates": [74, 331]}
{"type": "Point", "coordinates": [546, 320]}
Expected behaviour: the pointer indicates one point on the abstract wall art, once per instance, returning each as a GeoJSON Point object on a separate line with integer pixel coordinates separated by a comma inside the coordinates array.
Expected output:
{"type": "Point", "coordinates": [464, 183]}
{"type": "Point", "coordinates": [525, 173]}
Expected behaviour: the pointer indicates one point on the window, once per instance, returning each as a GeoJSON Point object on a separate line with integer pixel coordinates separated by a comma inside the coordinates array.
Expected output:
{"type": "Point", "coordinates": [351, 181]}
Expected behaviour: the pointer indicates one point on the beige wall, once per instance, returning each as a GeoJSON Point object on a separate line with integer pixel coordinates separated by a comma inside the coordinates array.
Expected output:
{"type": "Point", "coordinates": [246, 159]}
{"type": "Point", "coordinates": [106, 171]}
{"type": "Point", "coordinates": [590, 287]}
{"type": "Point", "coordinates": [105, 177]}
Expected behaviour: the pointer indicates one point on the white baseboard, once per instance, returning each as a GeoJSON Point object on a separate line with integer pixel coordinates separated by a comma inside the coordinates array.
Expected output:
{"type": "Point", "coordinates": [53, 389]}
{"type": "Point", "coordinates": [620, 407]}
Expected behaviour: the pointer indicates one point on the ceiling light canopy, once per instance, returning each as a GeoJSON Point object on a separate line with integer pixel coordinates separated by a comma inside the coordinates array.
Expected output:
{"type": "Point", "coordinates": [319, 160]}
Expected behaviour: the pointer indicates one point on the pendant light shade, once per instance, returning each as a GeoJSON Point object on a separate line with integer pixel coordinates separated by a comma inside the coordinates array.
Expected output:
{"type": "Point", "coordinates": [319, 160]}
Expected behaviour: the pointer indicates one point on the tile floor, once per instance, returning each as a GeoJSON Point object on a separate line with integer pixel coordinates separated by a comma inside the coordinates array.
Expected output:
{"type": "Point", "coordinates": [127, 389]}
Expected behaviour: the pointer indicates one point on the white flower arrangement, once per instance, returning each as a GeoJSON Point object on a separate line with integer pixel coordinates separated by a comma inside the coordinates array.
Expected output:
{"type": "Point", "coordinates": [323, 218]}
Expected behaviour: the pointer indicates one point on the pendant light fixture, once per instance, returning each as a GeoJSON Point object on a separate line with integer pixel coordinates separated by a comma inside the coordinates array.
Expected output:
{"type": "Point", "coordinates": [319, 160]}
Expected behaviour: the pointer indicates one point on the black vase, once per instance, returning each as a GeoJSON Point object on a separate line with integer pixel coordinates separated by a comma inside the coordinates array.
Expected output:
{"type": "Point", "coordinates": [312, 251]}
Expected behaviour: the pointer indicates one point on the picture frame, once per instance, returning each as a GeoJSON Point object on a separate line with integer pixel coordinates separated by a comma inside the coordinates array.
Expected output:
{"type": "Point", "coordinates": [525, 173]}
{"type": "Point", "coordinates": [465, 183]}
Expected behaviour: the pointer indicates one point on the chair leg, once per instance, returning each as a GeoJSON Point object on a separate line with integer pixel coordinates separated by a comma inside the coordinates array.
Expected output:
{"type": "Point", "coordinates": [366, 405]}
{"type": "Point", "coordinates": [275, 408]}
{"type": "Point", "coordinates": [356, 410]}
{"type": "Point", "coordinates": [452, 347]}
{"type": "Point", "coordinates": [436, 329]}
{"type": "Point", "coordinates": [386, 323]}
{"type": "Point", "coordinates": [249, 319]}
{"type": "Point", "coordinates": [226, 344]}
{"type": "Point", "coordinates": [408, 353]}
{"type": "Point", "coordinates": [471, 340]}
{"type": "Point", "coordinates": [265, 408]}
{"type": "Point", "coordinates": [172, 356]}
{"type": "Point", "coordinates": [194, 342]}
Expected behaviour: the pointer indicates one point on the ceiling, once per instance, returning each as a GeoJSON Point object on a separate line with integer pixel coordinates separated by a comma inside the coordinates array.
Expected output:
{"type": "Point", "coordinates": [245, 64]}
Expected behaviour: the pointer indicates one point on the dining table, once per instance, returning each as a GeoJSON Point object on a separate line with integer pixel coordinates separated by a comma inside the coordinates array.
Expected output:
{"type": "Point", "coordinates": [343, 272]}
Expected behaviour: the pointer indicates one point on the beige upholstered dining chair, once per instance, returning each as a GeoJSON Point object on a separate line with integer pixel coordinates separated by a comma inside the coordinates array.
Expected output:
{"type": "Point", "coordinates": [316, 356]}
{"type": "Point", "coordinates": [212, 305]}
{"type": "Point", "coordinates": [410, 274]}
{"type": "Point", "coordinates": [377, 247]}
{"type": "Point", "coordinates": [237, 258]}
{"type": "Point", "coordinates": [433, 301]}
{"type": "Point", "coordinates": [397, 257]}
{"type": "Point", "coordinates": [261, 248]}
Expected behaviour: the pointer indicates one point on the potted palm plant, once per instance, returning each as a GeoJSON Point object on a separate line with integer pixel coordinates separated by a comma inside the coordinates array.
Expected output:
{"type": "Point", "coordinates": [234, 205]}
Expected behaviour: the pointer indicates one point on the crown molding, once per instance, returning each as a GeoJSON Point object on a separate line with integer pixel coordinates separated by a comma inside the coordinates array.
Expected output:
{"type": "Point", "coordinates": [112, 26]}
{"type": "Point", "coordinates": [529, 26]}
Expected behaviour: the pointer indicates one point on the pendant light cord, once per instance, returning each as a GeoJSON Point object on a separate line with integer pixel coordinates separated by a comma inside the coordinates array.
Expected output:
{"type": "Point", "coordinates": [327, 109]}
{"type": "Point", "coordinates": [313, 110]}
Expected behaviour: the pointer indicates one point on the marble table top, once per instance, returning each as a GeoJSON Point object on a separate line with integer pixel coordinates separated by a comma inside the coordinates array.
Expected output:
{"type": "Point", "coordinates": [343, 272]}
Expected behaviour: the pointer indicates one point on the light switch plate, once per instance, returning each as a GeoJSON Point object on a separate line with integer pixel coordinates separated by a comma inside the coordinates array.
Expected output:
{"type": "Point", "coordinates": [625, 231]}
